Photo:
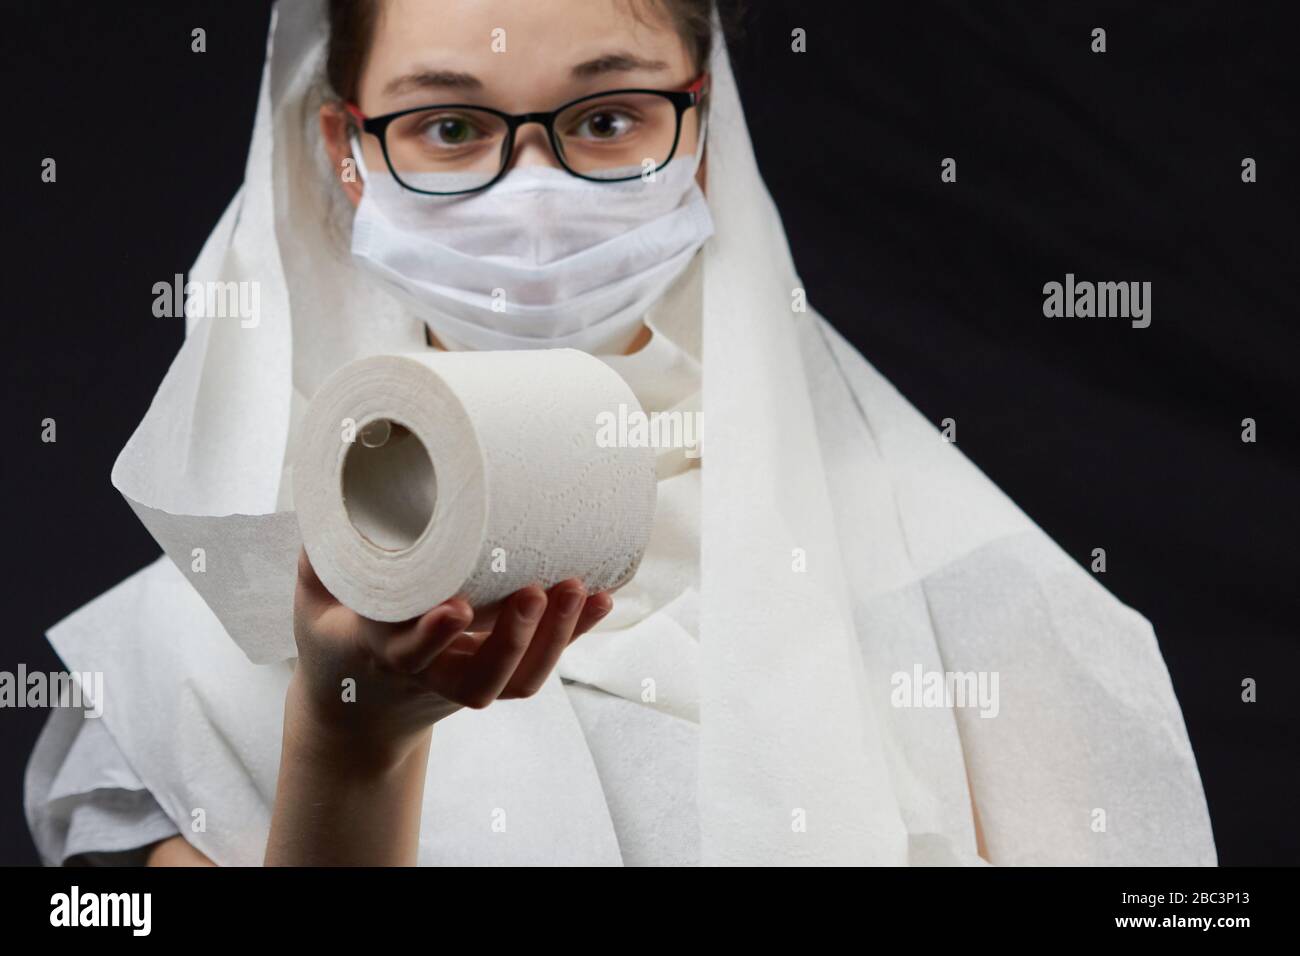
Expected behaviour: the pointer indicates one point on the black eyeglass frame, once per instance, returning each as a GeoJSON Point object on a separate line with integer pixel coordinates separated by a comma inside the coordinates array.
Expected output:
{"type": "Point", "coordinates": [682, 100]}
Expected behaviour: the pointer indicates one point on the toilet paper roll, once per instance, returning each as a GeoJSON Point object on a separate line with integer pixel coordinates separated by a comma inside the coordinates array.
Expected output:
{"type": "Point", "coordinates": [424, 476]}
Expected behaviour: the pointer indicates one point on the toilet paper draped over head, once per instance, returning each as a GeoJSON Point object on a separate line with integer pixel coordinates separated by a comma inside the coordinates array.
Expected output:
{"type": "Point", "coordinates": [854, 567]}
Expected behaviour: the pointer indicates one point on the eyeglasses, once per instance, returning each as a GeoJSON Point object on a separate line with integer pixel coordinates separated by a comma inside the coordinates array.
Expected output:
{"type": "Point", "coordinates": [609, 137]}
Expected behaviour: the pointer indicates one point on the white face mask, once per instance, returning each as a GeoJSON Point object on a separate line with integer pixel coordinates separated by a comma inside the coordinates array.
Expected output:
{"type": "Point", "coordinates": [542, 259]}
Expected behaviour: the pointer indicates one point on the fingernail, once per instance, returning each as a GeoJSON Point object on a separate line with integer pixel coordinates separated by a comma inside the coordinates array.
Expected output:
{"type": "Point", "coordinates": [601, 611]}
{"type": "Point", "coordinates": [531, 607]}
{"type": "Point", "coordinates": [453, 619]}
{"type": "Point", "coordinates": [570, 601]}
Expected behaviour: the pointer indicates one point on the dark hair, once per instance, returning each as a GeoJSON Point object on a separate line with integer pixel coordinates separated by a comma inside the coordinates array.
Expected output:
{"type": "Point", "coordinates": [352, 26]}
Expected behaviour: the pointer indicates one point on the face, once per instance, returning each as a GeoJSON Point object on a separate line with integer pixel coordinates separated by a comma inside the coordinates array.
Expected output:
{"type": "Point", "coordinates": [514, 56]}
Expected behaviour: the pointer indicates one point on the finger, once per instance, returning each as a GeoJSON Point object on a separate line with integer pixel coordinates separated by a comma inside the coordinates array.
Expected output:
{"type": "Point", "coordinates": [485, 616]}
{"type": "Point", "coordinates": [412, 651]}
{"type": "Point", "coordinates": [593, 612]}
{"type": "Point", "coordinates": [411, 647]}
{"type": "Point", "coordinates": [496, 660]}
{"type": "Point", "coordinates": [444, 674]}
{"type": "Point", "coordinates": [563, 606]}
{"type": "Point", "coordinates": [467, 643]}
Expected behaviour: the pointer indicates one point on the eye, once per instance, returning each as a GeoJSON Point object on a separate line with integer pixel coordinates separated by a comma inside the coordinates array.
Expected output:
{"type": "Point", "coordinates": [604, 123]}
{"type": "Point", "coordinates": [449, 130]}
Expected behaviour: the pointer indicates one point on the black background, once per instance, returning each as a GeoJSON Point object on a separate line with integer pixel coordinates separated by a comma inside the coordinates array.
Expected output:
{"type": "Point", "coordinates": [1117, 166]}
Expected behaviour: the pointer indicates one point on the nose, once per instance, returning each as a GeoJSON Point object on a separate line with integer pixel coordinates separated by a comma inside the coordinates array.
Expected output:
{"type": "Point", "coordinates": [532, 147]}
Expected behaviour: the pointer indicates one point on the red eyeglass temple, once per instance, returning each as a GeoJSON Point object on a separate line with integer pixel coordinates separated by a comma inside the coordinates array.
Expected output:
{"type": "Point", "coordinates": [701, 83]}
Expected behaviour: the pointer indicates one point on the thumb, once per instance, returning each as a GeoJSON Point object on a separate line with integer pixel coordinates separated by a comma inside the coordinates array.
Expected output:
{"type": "Point", "coordinates": [314, 596]}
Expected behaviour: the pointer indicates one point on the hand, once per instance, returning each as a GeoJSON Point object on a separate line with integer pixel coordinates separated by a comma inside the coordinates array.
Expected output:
{"type": "Point", "coordinates": [408, 676]}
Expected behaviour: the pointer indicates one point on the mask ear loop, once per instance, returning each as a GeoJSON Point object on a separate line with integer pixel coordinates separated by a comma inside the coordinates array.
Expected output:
{"type": "Point", "coordinates": [698, 156]}
{"type": "Point", "coordinates": [356, 156]}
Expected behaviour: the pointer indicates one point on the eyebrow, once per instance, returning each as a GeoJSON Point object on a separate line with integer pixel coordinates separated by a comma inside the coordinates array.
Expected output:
{"type": "Point", "coordinates": [619, 62]}
{"type": "Point", "coordinates": [616, 63]}
{"type": "Point", "coordinates": [427, 79]}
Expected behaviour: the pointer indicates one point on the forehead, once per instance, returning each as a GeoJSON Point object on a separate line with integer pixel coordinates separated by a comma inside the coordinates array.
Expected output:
{"type": "Point", "coordinates": [522, 51]}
